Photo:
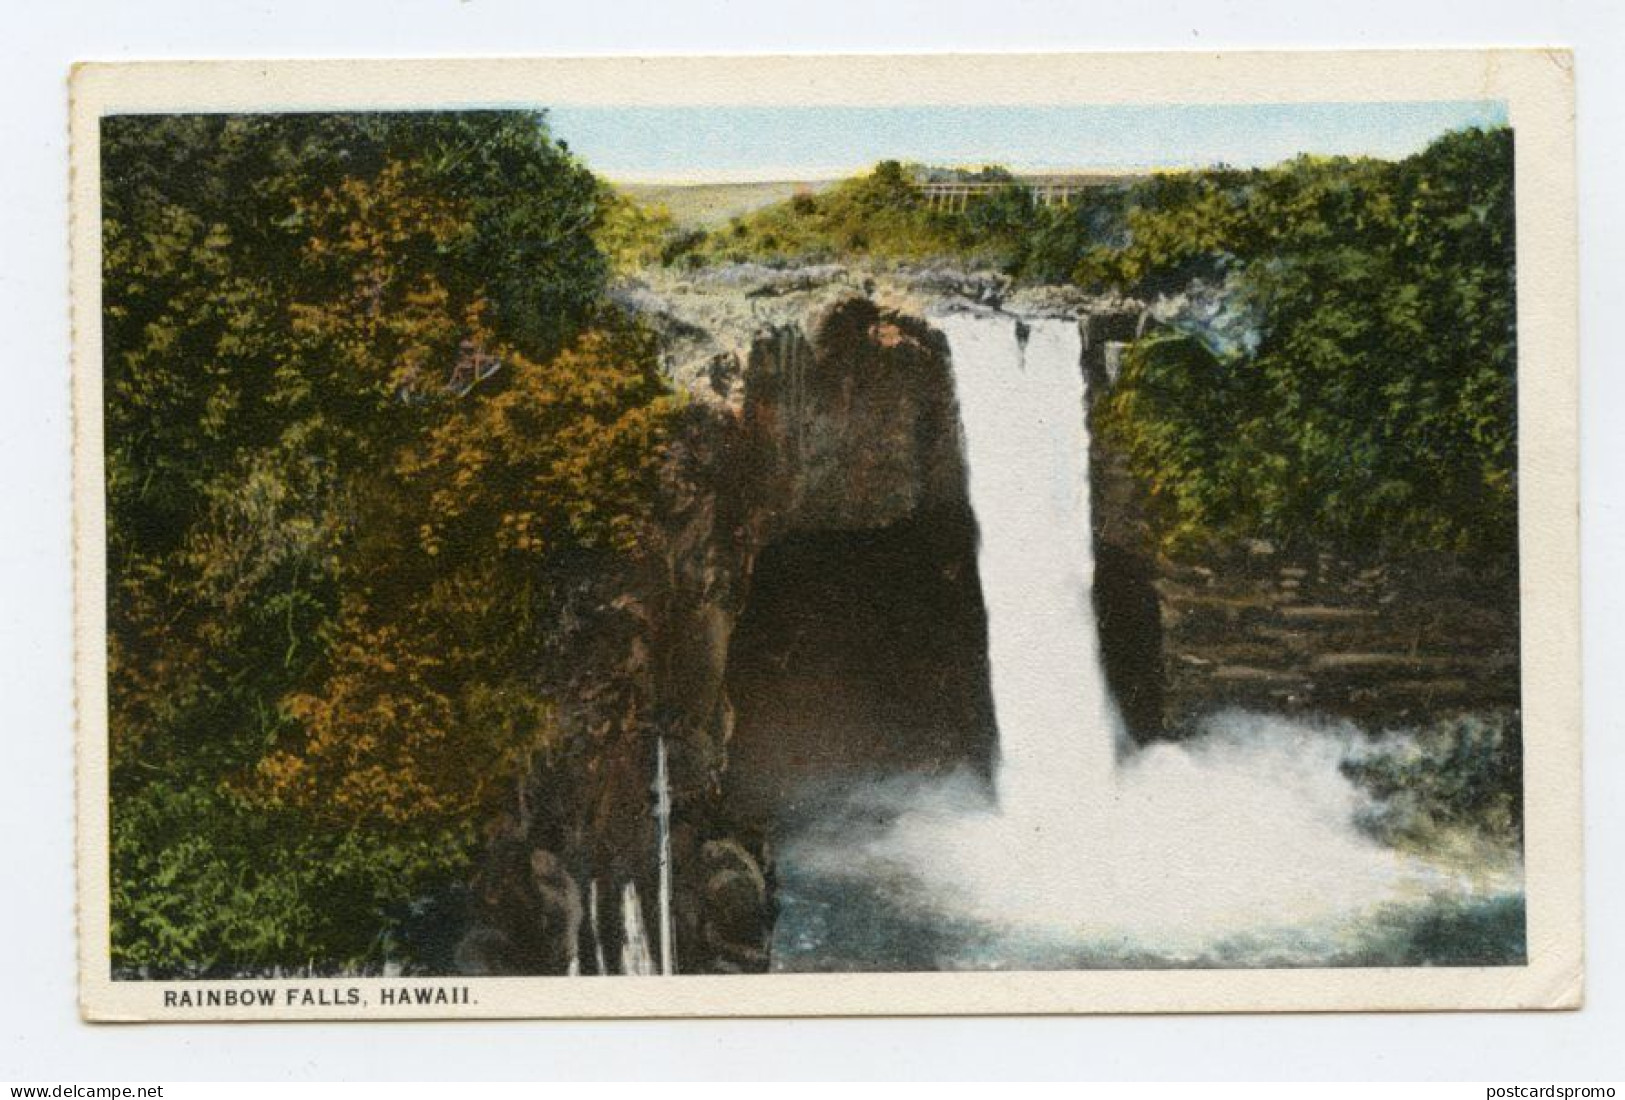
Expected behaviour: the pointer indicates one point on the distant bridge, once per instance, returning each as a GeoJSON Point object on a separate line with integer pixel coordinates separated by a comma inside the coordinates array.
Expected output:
{"type": "Point", "coordinates": [953, 196]}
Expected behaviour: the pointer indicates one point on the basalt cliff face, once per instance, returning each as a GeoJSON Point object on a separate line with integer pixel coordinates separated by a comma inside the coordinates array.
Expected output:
{"type": "Point", "coordinates": [1387, 640]}
{"type": "Point", "coordinates": [807, 612]}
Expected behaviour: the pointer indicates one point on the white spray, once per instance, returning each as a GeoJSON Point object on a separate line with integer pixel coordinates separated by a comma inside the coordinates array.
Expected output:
{"type": "Point", "coordinates": [1246, 834]}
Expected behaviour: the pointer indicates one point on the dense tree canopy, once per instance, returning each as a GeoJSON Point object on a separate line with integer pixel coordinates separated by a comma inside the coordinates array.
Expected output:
{"type": "Point", "coordinates": [363, 408]}
{"type": "Point", "coordinates": [1371, 403]}
{"type": "Point", "coordinates": [1358, 389]}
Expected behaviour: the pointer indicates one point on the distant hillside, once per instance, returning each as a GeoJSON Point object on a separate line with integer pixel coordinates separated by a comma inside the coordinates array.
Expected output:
{"type": "Point", "coordinates": [702, 205]}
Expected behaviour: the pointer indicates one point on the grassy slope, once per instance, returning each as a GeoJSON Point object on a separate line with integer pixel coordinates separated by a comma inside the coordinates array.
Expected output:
{"type": "Point", "coordinates": [702, 205]}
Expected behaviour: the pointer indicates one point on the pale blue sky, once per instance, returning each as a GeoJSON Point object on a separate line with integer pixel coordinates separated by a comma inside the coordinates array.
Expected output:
{"type": "Point", "coordinates": [680, 143]}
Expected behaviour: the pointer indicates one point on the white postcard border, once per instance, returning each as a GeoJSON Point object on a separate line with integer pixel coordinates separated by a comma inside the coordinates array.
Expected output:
{"type": "Point", "coordinates": [1536, 85]}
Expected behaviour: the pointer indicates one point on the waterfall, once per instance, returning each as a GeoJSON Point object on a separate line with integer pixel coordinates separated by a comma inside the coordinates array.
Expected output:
{"type": "Point", "coordinates": [597, 939]}
{"type": "Point", "coordinates": [1241, 845]}
{"type": "Point", "coordinates": [1021, 405]}
{"type": "Point", "coordinates": [668, 951]}
{"type": "Point", "coordinates": [635, 956]}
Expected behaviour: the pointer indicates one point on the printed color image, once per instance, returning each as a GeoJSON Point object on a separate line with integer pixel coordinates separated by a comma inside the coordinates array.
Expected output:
{"type": "Point", "coordinates": [596, 541]}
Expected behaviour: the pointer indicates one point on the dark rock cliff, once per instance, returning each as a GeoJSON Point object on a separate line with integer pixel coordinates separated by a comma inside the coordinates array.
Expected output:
{"type": "Point", "coordinates": [807, 610]}
{"type": "Point", "coordinates": [1387, 640]}
{"type": "Point", "coordinates": [863, 644]}
{"type": "Point", "coordinates": [806, 607]}
{"type": "Point", "coordinates": [1394, 640]}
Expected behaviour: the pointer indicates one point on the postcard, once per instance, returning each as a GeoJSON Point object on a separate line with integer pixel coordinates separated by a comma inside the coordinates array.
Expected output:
{"type": "Point", "coordinates": [827, 535]}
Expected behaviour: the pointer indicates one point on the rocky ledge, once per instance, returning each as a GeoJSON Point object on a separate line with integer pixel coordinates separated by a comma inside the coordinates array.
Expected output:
{"type": "Point", "coordinates": [807, 609]}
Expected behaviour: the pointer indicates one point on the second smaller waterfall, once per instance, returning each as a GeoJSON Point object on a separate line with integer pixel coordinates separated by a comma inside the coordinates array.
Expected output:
{"type": "Point", "coordinates": [636, 958]}
{"type": "Point", "coordinates": [668, 946]}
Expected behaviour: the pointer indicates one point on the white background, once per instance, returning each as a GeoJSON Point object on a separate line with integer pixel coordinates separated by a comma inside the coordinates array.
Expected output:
{"type": "Point", "coordinates": [40, 1035]}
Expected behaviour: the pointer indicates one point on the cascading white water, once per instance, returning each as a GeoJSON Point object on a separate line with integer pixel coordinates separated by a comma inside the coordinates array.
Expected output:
{"type": "Point", "coordinates": [597, 937]}
{"type": "Point", "coordinates": [1021, 399]}
{"type": "Point", "coordinates": [662, 792]}
{"type": "Point", "coordinates": [636, 957]}
{"type": "Point", "coordinates": [1239, 844]}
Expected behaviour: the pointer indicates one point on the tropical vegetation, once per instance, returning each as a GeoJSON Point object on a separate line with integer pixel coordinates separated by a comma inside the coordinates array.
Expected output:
{"type": "Point", "coordinates": [366, 416]}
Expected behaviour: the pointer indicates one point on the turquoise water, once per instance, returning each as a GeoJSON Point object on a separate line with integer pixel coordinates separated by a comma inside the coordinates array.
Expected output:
{"type": "Point", "coordinates": [871, 916]}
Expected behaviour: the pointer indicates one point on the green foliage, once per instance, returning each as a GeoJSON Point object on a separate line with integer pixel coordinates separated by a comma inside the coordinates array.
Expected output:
{"type": "Point", "coordinates": [1174, 227]}
{"type": "Point", "coordinates": [882, 214]}
{"type": "Point", "coordinates": [1373, 405]}
{"type": "Point", "coordinates": [1174, 408]}
{"type": "Point", "coordinates": [1368, 400]}
{"type": "Point", "coordinates": [208, 886]}
{"type": "Point", "coordinates": [633, 235]}
{"type": "Point", "coordinates": [353, 363]}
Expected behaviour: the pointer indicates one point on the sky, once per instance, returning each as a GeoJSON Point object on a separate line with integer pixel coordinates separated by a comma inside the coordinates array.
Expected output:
{"type": "Point", "coordinates": [679, 144]}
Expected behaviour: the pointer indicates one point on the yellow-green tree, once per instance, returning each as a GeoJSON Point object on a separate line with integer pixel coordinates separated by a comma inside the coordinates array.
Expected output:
{"type": "Point", "coordinates": [327, 337]}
